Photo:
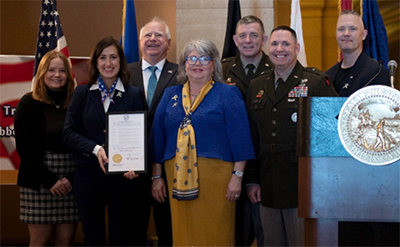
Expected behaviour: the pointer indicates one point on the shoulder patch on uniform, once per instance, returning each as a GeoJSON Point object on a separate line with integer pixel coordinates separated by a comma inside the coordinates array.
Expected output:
{"type": "Point", "coordinates": [327, 82]}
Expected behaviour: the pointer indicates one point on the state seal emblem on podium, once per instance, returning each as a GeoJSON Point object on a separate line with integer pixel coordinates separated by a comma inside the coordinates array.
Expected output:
{"type": "Point", "coordinates": [369, 125]}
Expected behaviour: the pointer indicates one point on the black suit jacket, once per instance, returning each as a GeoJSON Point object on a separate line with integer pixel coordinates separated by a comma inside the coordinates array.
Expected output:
{"type": "Point", "coordinates": [85, 126]}
{"type": "Point", "coordinates": [234, 73]}
{"type": "Point", "coordinates": [167, 79]}
{"type": "Point", "coordinates": [360, 74]}
{"type": "Point", "coordinates": [161, 211]}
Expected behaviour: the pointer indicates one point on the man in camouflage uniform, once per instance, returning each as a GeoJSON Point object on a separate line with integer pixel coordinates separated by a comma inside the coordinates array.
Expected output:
{"type": "Point", "coordinates": [272, 179]}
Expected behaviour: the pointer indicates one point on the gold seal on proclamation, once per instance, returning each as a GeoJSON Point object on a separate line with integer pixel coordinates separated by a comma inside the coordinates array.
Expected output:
{"type": "Point", "coordinates": [369, 125]}
{"type": "Point", "coordinates": [117, 158]}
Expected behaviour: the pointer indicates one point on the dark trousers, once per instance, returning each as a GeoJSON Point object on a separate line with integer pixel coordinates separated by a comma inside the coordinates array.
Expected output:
{"type": "Point", "coordinates": [282, 227]}
{"type": "Point", "coordinates": [128, 208]}
{"type": "Point", "coordinates": [248, 226]}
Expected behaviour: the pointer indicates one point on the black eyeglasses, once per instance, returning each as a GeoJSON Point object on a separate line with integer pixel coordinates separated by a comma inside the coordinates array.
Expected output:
{"type": "Point", "coordinates": [202, 60]}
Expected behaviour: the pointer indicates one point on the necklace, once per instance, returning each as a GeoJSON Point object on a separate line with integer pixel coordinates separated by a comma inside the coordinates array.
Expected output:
{"type": "Point", "coordinates": [59, 105]}
{"type": "Point", "coordinates": [57, 97]}
{"type": "Point", "coordinates": [195, 94]}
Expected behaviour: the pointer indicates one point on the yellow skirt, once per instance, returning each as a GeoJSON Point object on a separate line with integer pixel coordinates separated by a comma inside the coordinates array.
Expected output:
{"type": "Point", "coordinates": [208, 220]}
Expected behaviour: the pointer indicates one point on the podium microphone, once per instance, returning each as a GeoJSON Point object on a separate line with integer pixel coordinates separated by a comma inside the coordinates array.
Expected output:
{"type": "Point", "coordinates": [392, 65]}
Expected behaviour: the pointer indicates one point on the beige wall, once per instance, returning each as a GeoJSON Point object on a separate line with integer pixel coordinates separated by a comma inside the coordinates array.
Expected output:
{"type": "Point", "coordinates": [207, 19]}
{"type": "Point", "coordinates": [84, 23]}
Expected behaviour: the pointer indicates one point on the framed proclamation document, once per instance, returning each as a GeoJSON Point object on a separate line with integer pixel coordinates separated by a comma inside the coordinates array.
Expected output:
{"type": "Point", "coordinates": [126, 141]}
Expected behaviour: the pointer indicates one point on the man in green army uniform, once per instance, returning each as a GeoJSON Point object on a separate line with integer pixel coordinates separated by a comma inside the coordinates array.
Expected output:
{"type": "Point", "coordinates": [251, 61]}
{"type": "Point", "coordinates": [272, 102]}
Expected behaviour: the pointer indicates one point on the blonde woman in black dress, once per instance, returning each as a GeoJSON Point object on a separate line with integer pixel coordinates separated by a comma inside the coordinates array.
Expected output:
{"type": "Point", "coordinates": [47, 203]}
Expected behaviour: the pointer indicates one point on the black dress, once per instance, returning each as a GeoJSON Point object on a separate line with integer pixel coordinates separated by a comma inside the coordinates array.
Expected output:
{"type": "Point", "coordinates": [44, 160]}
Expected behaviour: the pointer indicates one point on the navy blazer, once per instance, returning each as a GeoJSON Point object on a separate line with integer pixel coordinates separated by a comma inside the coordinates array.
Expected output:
{"type": "Point", "coordinates": [167, 79]}
{"type": "Point", "coordinates": [364, 69]}
{"type": "Point", "coordinates": [85, 123]}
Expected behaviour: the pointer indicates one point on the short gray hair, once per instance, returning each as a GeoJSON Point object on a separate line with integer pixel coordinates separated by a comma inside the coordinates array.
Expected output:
{"type": "Point", "coordinates": [206, 48]}
{"type": "Point", "coordinates": [156, 19]}
{"type": "Point", "coordinates": [248, 20]}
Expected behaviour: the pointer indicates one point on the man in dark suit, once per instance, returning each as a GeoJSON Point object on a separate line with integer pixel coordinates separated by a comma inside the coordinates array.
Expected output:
{"type": "Point", "coordinates": [239, 71]}
{"type": "Point", "coordinates": [272, 103]}
{"type": "Point", "coordinates": [252, 61]}
{"type": "Point", "coordinates": [357, 68]}
{"type": "Point", "coordinates": [152, 74]}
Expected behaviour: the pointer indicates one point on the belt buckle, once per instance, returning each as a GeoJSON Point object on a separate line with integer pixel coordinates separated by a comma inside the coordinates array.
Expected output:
{"type": "Point", "coordinates": [272, 148]}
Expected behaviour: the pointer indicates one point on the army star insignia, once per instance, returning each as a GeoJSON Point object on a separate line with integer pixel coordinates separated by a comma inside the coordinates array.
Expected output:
{"type": "Point", "coordinates": [119, 94]}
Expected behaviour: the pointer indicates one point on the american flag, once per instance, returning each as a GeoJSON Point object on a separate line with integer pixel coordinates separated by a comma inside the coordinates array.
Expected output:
{"type": "Point", "coordinates": [50, 34]}
{"type": "Point", "coordinates": [15, 81]}
{"type": "Point", "coordinates": [16, 78]}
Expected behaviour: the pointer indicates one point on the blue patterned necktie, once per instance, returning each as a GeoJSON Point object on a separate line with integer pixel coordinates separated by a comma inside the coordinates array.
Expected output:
{"type": "Point", "coordinates": [103, 88]}
{"type": "Point", "coordinates": [151, 87]}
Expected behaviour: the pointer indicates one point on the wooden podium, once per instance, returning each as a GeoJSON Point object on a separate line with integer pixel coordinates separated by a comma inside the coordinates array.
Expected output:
{"type": "Point", "coordinates": [338, 192]}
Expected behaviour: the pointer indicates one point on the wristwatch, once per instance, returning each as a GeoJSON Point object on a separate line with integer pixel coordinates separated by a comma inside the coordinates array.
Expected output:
{"type": "Point", "coordinates": [155, 177]}
{"type": "Point", "coordinates": [238, 173]}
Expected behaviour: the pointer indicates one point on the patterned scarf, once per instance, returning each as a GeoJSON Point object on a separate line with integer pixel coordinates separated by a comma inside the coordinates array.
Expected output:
{"type": "Point", "coordinates": [103, 88]}
{"type": "Point", "coordinates": [186, 182]}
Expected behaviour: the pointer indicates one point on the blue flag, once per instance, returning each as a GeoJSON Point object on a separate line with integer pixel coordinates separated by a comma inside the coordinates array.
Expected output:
{"type": "Point", "coordinates": [129, 38]}
{"type": "Point", "coordinates": [376, 42]}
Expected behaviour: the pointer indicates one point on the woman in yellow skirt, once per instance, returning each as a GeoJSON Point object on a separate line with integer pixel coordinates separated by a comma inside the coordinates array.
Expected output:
{"type": "Point", "coordinates": [201, 134]}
